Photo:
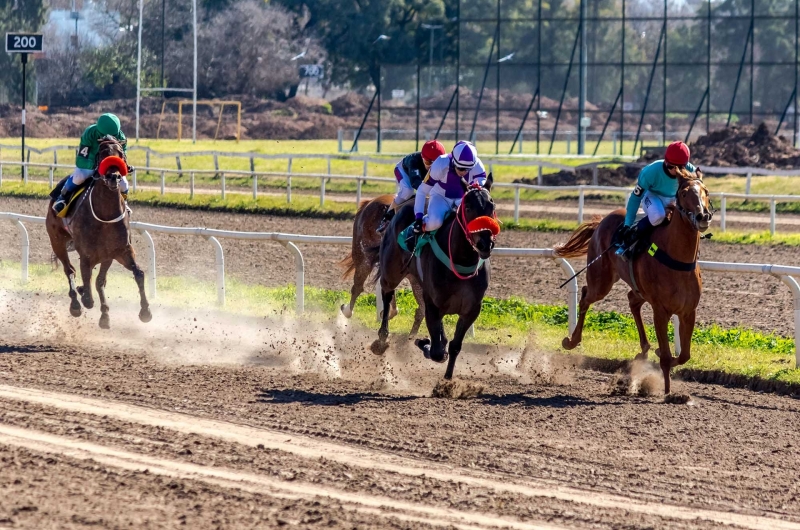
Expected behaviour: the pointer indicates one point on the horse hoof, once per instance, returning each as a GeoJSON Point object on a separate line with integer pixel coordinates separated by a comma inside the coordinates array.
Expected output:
{"type": "Point", "coordinates": [567, 344]}
{"type": "Point", "coordinates": [422, 343]}
{"type": "Point", "coordinates": [379, 347]}
{"type": "Point", "coordinates": [433, 356]}
{"type": "Point", "coordinates": [88, 303]}
{"type": "Point", "coordinates": [105, 321]}
{"type": "Point", "coordinates": [145, 315]}
{"type": "Point", "coordinates": [346, 311]}
{"type": "Point", "coordinates": [75, 308]}
{"type": "Point", "coordinates": [79, 289]}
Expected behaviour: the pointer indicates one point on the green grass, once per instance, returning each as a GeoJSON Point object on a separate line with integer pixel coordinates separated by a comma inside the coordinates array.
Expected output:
{"type": "Point", "coordinates": [308, 206]}
{"type": "Point", "coordinates": [512, 322]}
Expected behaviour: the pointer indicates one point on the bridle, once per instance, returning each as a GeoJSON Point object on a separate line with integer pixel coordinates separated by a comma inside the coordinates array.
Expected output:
{"type": "Point", "coordinates": [690, 216]}
{"type": "Point", "coordinates": [97, 176]}
{"type": "Point", "coordinates": [471, 227]}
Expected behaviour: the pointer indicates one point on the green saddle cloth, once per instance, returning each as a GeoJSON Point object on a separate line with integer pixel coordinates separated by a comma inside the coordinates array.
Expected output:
{"type": "Point", "coordinates": [429, 238]}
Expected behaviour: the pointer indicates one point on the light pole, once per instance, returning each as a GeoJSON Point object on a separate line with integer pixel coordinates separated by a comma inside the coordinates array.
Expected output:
{"type": "Point", "coordinates": [432, 28]}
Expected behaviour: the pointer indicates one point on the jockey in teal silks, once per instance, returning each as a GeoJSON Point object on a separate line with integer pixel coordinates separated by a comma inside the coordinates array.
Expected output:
{"type": "Point", "coordinates": [655, 189]}
{"type": "Point", "coordinates": [86, 157]}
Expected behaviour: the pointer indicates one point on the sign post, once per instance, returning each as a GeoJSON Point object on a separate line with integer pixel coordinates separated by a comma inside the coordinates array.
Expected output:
{"type": "Point", "coordinates": [24, 43]}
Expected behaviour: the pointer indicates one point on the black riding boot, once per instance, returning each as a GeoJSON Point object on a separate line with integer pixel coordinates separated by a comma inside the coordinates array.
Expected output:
{"type": "Point", "coordinates": [641, 233]}
{"type": "Point", "coordinates": [387, 218]}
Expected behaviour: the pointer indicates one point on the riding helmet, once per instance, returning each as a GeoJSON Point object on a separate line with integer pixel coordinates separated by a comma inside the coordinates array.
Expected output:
{"type": "Point", "coordinates": [108, 124]}
{"type": "Point", "coordinates": [677, 154]}
{"type": "Point", "coordinates": [465, 156]}
{"type": "Point", "coordinates": [432, 150]}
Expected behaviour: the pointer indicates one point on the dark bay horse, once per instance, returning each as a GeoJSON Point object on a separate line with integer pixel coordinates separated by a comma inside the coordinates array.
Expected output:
{"type": "Point", "coordinates": [99, 226]}
{"type": "Point", "coordinates": [452, 286]}
{"type": "Point", "coordinates": [666, 276]}
{"type": "Point", "coordinates": [360, 264]}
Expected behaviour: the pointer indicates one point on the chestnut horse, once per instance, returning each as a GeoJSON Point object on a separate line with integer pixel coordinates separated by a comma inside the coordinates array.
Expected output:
{"type": "Point", "coordinates": [360, 264]}
{"type": "Point", "coordinates": [452, 269]}
{"type": "Point", "coordinates": [666, 276]}
{"type": "Point", "coordinates": [99, 226]}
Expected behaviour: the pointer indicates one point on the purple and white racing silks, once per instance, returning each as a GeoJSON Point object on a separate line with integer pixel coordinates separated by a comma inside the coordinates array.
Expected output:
{"type": "Point", "coordinates": [444, 187]}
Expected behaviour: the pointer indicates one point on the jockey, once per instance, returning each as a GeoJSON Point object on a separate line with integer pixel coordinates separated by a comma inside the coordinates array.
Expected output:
{"type": "Point", "coordinates": [443, 185]}
{"type": "Point", "coordinates": [86, 157]}
{"type": "Point", "coordinates": [657, 188]}
{"type": "Point", "coordinates": [409, 173]}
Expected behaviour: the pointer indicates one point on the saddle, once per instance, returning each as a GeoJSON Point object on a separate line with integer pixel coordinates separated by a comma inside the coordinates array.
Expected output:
{"type": "Point", "coordinates": [56, 193]}
{"type": "Point", "coordinates": [429, 238]}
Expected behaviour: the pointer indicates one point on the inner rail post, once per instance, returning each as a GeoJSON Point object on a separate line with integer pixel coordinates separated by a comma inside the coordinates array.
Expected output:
{"type": "Point", "coordinates": [723, 206]}
{"type": "Point", "coordinates": [289, 181]}
{"type": "Point", "coordinates": [322, 191]}
{"type": "Point", "coordinates": [255, 187]}
{"type": "Point", "coordinates": [222, 183]}
{"type": "Point", "coordinates": [162, 182]}
{"type": "Point", "coordinates": [220, 261]}
{"type": "Point", "coordinates": [772, 216]}
{"type": "Point", "coordinates": [581, 199]}
{"type": "Point", "coordinates": [24, 247]}
{"type": "Point", "coordinates": [300, 268]}
{"type": "Point", "coordinates": [795, 287]}
{"type": "Point", "coordinates": [516, 204]}
{"type": "Point", "coordinates": [151, 265]}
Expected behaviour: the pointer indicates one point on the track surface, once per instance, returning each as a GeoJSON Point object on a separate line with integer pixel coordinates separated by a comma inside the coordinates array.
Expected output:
{"type": "Point", "coordinates": [754, 301]}
{"type": "Point", "coordinates": [207, 420]}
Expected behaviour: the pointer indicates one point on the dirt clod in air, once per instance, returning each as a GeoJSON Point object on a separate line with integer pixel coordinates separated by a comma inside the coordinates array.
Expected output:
{"type": "Point", "coordinates": [678, 399]}
{"type": "Point", "coordinates": [457, 389]}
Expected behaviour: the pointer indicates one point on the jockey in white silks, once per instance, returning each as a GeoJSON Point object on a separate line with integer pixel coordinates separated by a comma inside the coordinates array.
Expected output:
{"type": "Point", "coordinates": [444, 185]}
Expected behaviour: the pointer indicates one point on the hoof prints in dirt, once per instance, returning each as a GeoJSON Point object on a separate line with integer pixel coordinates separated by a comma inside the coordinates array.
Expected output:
{"type": "Point", "coordinates": [641, 380]}
{"type": "Point", "coordinates": [456, 389]}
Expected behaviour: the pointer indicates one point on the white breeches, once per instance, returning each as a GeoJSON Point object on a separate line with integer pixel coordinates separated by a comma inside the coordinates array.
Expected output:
{"type": "Point", "coordinates": [654, 207]}
{"type": "Point", "coordinates": [404, 192]}
{"type": "Point", "coordinates": [438, 208]}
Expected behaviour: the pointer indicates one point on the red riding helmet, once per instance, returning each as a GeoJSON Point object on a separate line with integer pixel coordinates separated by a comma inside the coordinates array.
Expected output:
{"type": "Point", "coordinates": [432, 150]}
{"type": "Point", "coordinates": [677, 154]}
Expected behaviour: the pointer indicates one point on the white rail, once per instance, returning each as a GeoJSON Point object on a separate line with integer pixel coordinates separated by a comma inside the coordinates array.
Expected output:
{"type": "Point", "coordinates": [788, 275]}
{"type": "Point", "coordinates": [360, 180]}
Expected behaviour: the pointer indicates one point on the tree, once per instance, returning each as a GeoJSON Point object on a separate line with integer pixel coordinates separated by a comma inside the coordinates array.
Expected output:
{"type": "Point", "coordinates": [349, 32]}
{"type": "Point", "coordinates": [16, 15]}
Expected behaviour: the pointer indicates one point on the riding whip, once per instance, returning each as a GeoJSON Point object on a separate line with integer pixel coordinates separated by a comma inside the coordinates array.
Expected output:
{"type": "Point", "coordinates": [586, 267]}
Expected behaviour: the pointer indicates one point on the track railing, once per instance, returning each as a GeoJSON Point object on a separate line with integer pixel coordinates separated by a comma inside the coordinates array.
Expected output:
{"type": "Point", "coordinates": [360, 180]}
{"type": "Point", "coordinates": [788, 275]}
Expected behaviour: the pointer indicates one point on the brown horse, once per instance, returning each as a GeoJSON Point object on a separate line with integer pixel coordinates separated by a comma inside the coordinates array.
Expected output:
{"type": "Point", "coordinates": [99, 227]}
{"type": "Point", "coordinates": [666, 276]}
{"type": "Point", "coordinates": [360, 263]}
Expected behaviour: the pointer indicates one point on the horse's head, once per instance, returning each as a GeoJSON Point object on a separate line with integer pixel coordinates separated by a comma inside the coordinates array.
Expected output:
{"type": "Point", "coordinates": [693, 200]}
{"type": "Point", "coordinates": [477, 217]}
{"type": "Point", "coordinates": [110, 172]}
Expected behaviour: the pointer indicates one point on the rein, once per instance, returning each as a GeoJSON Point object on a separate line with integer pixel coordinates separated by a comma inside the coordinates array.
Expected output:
{"type": "Point", "coordinates": [112, 221]}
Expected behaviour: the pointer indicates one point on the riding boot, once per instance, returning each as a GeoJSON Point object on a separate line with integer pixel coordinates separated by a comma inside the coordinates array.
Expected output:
{"type": "Point", "coordinates": [641, 232]}
{"type": "Point", "coordinates": [386, 219]}
{"type": "Point", "coordinates": [66, 193]}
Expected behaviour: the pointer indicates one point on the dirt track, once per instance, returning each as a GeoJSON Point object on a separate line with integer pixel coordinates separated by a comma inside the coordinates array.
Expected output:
{"type": "Point", "coordinates": [758, 302]}
{"type": "Point", "coordinates": [207, 420]}
{"type": "Point", "coordinates": [278, 424]}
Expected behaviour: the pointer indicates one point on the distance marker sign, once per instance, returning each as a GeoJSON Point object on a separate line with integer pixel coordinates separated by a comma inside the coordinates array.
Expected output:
{"type": "Point", "coordinates": [24, 42]}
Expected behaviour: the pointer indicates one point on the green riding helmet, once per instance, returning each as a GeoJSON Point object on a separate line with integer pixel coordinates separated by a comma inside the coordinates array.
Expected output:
{"type": "Point", "coordinates": [108, 124]}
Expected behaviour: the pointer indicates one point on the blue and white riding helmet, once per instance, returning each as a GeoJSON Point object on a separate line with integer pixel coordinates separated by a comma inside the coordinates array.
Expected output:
{"type": "Point", "coordinates": [465, 156]}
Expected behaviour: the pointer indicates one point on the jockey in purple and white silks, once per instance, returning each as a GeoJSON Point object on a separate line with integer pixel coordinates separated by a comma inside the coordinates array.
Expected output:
{"type": "Point", "coordinates": [443, 185]}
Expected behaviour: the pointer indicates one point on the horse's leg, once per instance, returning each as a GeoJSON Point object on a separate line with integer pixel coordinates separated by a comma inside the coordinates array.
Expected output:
{"type": "Point", "coordinates": [379, 346]}
{"type": "Point", "coordinates": [433, 348]}
{"type": "Point", "coordinates": [100, 285]}
{"type": "Point", "coordinates": [60, 250]}
{"type": "Point", "coordinates": [635, 302]}
{"type": "Point", "coordinates": [128, 260]}
{"type": "Point", "coordinates": [419, 314]}
{"type": "Point", "coordinates": [464, 323]}
{"type": "Point", "coordinates": [661, 322]}
{"type": "Point", "coordinates": [359, 277]}
{"type": "Point", "coordinates": [86, 288]}
{"type": "Point", "coordinates": [685, 332]}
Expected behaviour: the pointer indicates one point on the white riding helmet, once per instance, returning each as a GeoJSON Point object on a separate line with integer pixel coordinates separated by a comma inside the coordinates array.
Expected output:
{"type": "Point", "coordinates": [465, 156]}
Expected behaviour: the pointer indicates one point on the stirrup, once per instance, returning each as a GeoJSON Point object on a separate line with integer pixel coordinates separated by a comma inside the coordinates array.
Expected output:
{"type": "Point", "coordinates": [59, 205]}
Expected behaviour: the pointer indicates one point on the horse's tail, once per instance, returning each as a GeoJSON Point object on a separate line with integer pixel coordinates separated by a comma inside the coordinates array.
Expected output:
{"type": "Point", "coordinates": [348, 263]}
{"type": "Point", "coordinates": [373, 256]}
{"type": "Point", "coordinates": [578, 243]}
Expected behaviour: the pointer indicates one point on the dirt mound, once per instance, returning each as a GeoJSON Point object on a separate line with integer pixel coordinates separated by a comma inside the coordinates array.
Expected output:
{"type": "Point", "coordinates": [742, 146]}
{"type": "Point", "coordinates": [623, 175]}
{"type": "Point", "coordinates": [350, 104]}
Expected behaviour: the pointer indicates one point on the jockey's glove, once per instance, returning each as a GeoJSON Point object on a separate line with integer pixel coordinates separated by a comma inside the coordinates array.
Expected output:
{"type": "Point", "coordinates": [417, 226]}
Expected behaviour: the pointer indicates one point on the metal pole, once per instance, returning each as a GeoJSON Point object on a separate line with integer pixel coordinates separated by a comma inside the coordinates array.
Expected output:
{"type": "Point", "coordinates": [416, 137]}
{"type": "Point", "coordinates": [582, 80]}
{"type": "Point", "coordinates": [539, 72]}
{"type": "Point", "coordinates": [564, 92]}
{"type": "Point", "coordinates": [708, 70]}
{"type": "Point", "coordinates": [796, 60]}
{"type": "Point", "coordinates": [739, 74]}
{"type": "Point", "coordinates": [664, 94]}
{"type": "Point", "coordinates": [24, 59]}
{"type": "Point", "coordinates": [497, 98]}
{"type": "Point", "coordinates": [163, 44]}
{"type": "Point", "coordinates": [752, 46]}
{"type": "Point", "coordinates": [379, 108]}
{"type": "Point", "coordinates": [622, 85]}
{"type": "Point", "coordinates": [139, 69]}
{"type": "Point", "coordinates": [430, 65]}
{"type": "Point", "coordinates": [458, 63]}
{"type": "Point", "coordinates": [194, 86]}
{"type": "Point", "coordinates": [483, 85]}
{"type": "Point", "coordinates": [649, 86]}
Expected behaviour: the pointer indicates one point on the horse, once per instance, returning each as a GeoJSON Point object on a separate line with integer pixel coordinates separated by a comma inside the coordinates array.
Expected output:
{"type": "Point", "coordinates": [99, 227]}
{"type": "Point", "coordinates": [454, 281]}
{"type": "Point", "coordinates": [666, 276]}
{"type": "Point", "coordinates": [360, 264]}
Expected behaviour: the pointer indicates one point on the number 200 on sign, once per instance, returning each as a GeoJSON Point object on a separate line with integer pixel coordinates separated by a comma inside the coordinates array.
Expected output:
{"type": "Point", "coordinates": [23, 43]}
